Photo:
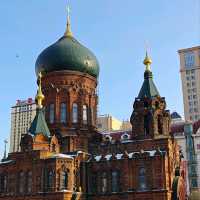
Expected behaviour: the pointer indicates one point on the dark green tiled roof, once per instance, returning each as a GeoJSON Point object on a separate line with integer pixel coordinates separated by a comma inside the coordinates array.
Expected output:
{"type": "Point", "coordinates": [67, 54]}
{"type": "Point", "coordinates": [148, 89]}
{"type": "Point", "coordinates": [39, 124]}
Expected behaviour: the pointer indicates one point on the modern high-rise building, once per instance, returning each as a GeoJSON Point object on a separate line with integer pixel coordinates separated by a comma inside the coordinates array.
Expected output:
{"type": "Point", "coordinates": [190, 76]}
{"type": "Point", "coordinates": [22, 114]}
{"type": "Point", "coordinates": [187, 135]}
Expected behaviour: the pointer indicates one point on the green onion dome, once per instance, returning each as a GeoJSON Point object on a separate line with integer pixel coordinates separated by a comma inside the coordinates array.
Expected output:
{"type": "Point", "coordinates": [67, 54]}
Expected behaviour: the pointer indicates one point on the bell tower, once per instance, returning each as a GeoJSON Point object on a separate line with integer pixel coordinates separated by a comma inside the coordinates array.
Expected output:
{"type": "Point", "coordinates": [149, 118]}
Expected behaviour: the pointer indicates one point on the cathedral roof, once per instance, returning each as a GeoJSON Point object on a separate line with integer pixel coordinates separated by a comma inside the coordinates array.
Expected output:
{"type": "Point", "coordinates": [67, 54]}
{"type": "Point", "coordinates": [175, 115]}
{"type": "Point", "coordinates": [39, 124]}
{"type": "Point", "coordinates": [179, 127]}
{"type": "Point", "coordinates": [148, 89]}
{"type": "Point", "coordinates": [119, 156]}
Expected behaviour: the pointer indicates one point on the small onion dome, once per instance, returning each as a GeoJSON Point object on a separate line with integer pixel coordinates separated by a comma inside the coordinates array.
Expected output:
{"type": "Point", "coordinates": [67, 54]}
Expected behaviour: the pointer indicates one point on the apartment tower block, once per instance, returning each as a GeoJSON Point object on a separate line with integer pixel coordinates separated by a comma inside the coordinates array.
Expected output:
{"type": "Point", "coordinates": [190, 76]}
{"type": "Point", "coordinates": [22, 114]}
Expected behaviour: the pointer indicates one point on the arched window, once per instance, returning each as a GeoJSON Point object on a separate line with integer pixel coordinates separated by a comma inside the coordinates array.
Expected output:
{"type": "Point", "coordinates": [160, 129]}
{"type": "Point", "coordinates": [85, 113]}
{"type": "Point", "coordinates": [50, 180]}
{"type": "Point", "coordinates": [142, 179]}
{"type": "Point", "coordinates": [64, 180]}
{"type": "Point", "coordinates": [92, 115]}
{"type": "Point", "coordinates": [53, 148]}
{"type": "Point", "coordinates": [51, 113]}
{"type": "Point", "coordinates": [146, 125]}
{"type": "Point", "coordinates": [29, 182]}
{"type": "Point", "coordinates": [115, 181]}
{"type": "Point", "coordinates": [11, 183]}
{"type": "Point", "coordinates": [74, 113]}
{"type": "Point", "coordinates": [4, 183]}
{"type": "Point", "coordinates": [58, 177]}
{"type": "Point", "coordinates": [104, 182]}
{"type": "Point", "coordinates": [146, 104]}
{"type": "Point", "coordinates": [21, 182]}
{"type": "Point", "coordinates": [157, 104]}
{"type": "Point", "coordinates": [93, 182]}
{"type": "Point", "coordinates": [63, 112]}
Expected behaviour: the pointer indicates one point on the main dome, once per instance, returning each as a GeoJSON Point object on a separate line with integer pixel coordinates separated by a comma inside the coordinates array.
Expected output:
{"type": "Point", "coordinates": [67, 54]}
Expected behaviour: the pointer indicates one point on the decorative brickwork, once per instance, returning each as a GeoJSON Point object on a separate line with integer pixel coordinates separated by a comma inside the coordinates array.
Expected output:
{"type": "Point", "coordinates": [63, 157]}
{"type": "Point", "coordinates": [70, 87]}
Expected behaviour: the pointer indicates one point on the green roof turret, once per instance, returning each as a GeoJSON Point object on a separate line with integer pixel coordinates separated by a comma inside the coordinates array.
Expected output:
{"type": "Point", "coordinates": [39, 125]}
{"type": "Point", "coordinates": [148, 89]}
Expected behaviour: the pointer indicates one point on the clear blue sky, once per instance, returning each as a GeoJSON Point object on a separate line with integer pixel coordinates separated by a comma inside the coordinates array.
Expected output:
{"type": "Point", "coordinates": [114, 30]}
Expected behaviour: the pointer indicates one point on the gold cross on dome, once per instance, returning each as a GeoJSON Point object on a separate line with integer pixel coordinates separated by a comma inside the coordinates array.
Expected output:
{"type": "Point", "coordinates": [68, 32]}
{"type": "Point", "coordinates": [147, 46]}
{"type": "Point", "coordinates": [68, 10]}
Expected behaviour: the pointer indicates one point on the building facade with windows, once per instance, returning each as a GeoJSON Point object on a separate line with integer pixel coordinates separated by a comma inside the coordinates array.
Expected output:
{"type": "Point", "coordinates": [22, 115]}
{"type": "Point", "coordinates": [190, 77]}
{"type": "Point", "coordinates": [187, 135]}
{"type": "Point", "coordinates": [108, 123]}
{"type": "Point", "coordinates": [64, 157]}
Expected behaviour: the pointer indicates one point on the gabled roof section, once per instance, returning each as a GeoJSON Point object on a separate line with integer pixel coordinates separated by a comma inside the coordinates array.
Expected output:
{"type": "Point", "coordinates": [39, 124]}
{"type": "Point", "coordinates": [148, 89]}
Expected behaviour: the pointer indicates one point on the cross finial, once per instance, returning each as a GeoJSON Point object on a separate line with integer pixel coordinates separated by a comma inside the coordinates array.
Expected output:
{"type": "Point", "coordinates": [147, 61]}
{"type": "Point", "coordinates": [147, 47]}
{"type": "Point", "coordinates": [68, 10]}
{"type": "Point", "coordinates": [68, 32]}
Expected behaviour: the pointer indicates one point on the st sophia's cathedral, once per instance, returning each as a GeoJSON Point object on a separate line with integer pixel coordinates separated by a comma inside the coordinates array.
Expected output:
{"type": "Point", "coordinates": [64, 157]}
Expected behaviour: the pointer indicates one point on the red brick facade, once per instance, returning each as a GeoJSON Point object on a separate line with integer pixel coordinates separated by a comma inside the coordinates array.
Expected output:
{"type": "Point", "coordinates": [70, 87]}
{"type": "Point", "coordinates": [77, 162]}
